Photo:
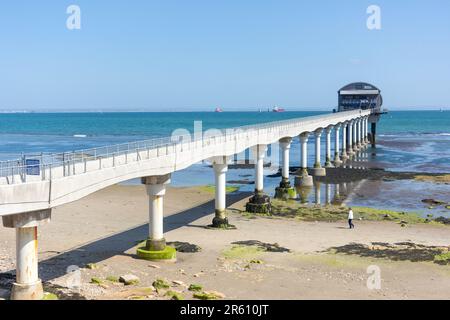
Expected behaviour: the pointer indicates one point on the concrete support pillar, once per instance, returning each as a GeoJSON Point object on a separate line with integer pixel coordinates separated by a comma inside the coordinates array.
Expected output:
{"type": "Point", "coordinates": [28, 286]}
{"type": "Point", "coordinates": [350, 150]}
{"type": "Point", "coordinates": [361, 140]}
{"type": "Point", "coordinates": [318, 171]}
{"type": "Point", "coordinates": [344, 155]}
{"type": "Point", "coordinates": [366, 134]}
{"type": "Point", "coordinates": [260, 153]}
{"type": "Point", "coordinates": [285, 191]}
{"type": "Point", "coordinates": [374, 133]}
{"type": "Point", "coordinates": [156, 215]}
{"type": "Point", "coordinates": [155, 247]}
{"type": "Point", "coordinates": [337, 158]}
{"type": "Point", "coordinates": [359, 133]}
{"type": "Point", "coordinates": [285, 149]}
{"type": "Point", "coordinates": [220, 171]}
{"type": "Point", "coordinates": [363, 130]}
{"type": "Point", "coordinates": [304, 180]}
{"type": "Point", "coordinates": [354, 131]}
{"type": "Point", "coordinates": [260, 202]}
{"type": "Point", "coordinates": [328, 163]}
{"type": "Point", "coordinates": [220, 166]}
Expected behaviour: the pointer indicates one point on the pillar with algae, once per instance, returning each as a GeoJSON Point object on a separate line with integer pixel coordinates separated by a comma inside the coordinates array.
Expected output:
{"type": "Point", "coordinates": [260, 202]}
{"type": "Point", "coordinates": [318, 170]}
{"type": "Point", "coordinates": [155, 248]}
{"type": "Point", "coordinates": [304, 179]}
{"type": "Point", "coordinates": [220, 167]}
{"type": "Point", "coordinates": [285, 191]}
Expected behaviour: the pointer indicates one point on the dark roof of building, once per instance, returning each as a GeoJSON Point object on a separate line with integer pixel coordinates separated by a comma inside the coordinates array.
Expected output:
{"type": "Point", "coordinates": [359, 86]}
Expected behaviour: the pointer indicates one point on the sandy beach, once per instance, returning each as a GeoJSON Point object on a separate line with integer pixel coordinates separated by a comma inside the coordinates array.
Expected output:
{"type": "Point", "coordinates": [324, 260]}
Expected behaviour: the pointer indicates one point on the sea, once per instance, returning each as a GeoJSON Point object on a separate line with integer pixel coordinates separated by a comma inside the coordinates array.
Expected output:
{"type": "Point", "coordinates": [407, 141]}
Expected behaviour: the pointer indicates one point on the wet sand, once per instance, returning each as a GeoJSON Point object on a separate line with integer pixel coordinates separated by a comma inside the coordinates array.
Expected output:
{"type": "Point", "coordinates": [105, 228]}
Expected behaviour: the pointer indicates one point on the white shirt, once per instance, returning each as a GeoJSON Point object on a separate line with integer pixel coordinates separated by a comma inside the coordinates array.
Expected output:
{"type": "Point", "coordinates": [350, 215]}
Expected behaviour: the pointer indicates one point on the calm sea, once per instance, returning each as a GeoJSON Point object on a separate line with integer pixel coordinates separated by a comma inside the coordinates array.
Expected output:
{"type": "Point", "coordinates": [408, 140]}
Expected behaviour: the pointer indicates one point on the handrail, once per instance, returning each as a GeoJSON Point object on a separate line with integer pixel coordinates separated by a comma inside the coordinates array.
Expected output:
{"type": "Point", "coordinates": [11, 168]}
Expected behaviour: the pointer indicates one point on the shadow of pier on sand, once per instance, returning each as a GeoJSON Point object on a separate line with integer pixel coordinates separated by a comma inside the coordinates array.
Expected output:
{"type": "Point", "coordinates": [117, 244]}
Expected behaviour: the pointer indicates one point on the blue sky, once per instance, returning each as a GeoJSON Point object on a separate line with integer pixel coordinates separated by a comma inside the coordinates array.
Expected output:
{"type": "Point", "coordinates": [237, 54]}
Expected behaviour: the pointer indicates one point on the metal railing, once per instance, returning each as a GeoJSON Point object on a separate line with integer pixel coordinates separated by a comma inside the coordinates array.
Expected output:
{"type": "Point", "coordinates": [15, 171]}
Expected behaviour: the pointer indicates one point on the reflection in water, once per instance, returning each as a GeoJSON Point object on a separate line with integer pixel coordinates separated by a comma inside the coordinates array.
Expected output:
{"type": "Point", "coordinates": [328, 193]}
{"type": "Point", "coordinates": [335, 194]}
{"type": "Point", "coordinates": [303, 194]}
{"type": "Point", "coordinates": [317, 185]}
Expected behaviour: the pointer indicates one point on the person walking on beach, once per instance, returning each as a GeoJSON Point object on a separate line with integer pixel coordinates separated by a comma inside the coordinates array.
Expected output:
{"type": "Point", "coordinates": [350, 219]}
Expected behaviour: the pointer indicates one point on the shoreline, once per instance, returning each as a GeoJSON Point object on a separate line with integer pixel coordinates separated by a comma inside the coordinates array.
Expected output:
{"type": "Point", "coordinates": [321, 254]}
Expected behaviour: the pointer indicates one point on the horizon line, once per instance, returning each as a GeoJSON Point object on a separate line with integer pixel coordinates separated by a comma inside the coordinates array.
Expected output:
{"type": "Point", "coordinates": [202, 110]}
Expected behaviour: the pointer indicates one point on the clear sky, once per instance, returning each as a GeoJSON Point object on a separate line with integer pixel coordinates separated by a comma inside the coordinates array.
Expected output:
{"type": "Point", "coordinates": [237, 54]}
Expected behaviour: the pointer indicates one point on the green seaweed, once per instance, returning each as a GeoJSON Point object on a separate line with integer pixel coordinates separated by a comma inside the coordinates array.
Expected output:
{"type": "Point", "coordinates": [96, 280]}
{"type": "Point", "coordinates": [50, 296]}
{"type": "Point", "coordinates": [256, 261]}
{"type": "Point", "coordinates": [169, 253]}
{"type": "Point", "coordinates": [242, 252]}
{"type": "Point", "coordinates": [160, 284]}
{"type": "Point", "coordinates": [205, 296]}
{"type": "Point", "coordinates": [112, 278]}
{"type": "Point", "coordinates": [443, 258]}
{"type": "Point", "coordinates": [195, 287]}
{"type": "Point", "coordinates": [174, 295]}
{"type": "Point", "coordinates": [91, 266]}
{"type": "Point", "coordinates": [332, 213]}
{"type": "Point", "coordinates": [212, 189]}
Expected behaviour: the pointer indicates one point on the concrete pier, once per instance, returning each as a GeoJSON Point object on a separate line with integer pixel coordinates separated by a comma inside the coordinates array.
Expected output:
{"type": "Point", "coordinates": [29, 193]}
{"type": "Point", "coordinates": [285, 190]}
{"type": "Point", "coordinates": [155, 247]}
{"type": "Point", "coordinates": [318, 170]}
{"type": "Point", "coordinates": [328, 163]}
{"type": "Point", "coordinates": [260, 202]}
{"type": "Point", "coordinates": [27, 286]}
{"type": "Point", "coordinates": [304, 179]}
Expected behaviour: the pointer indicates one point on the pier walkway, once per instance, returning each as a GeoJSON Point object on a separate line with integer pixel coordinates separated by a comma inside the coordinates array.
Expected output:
{"type": "Point", "coordinates": [31, 187]}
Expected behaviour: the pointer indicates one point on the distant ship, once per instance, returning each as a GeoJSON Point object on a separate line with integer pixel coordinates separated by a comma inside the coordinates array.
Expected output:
{"type": "Point", "coordinates": [276, 109]}
{"type": "Point", "coordinates": [218, 110]}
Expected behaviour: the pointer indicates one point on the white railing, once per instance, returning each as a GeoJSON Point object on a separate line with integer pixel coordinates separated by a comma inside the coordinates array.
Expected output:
{"type": "Point", "coordinates": [18, 171]}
